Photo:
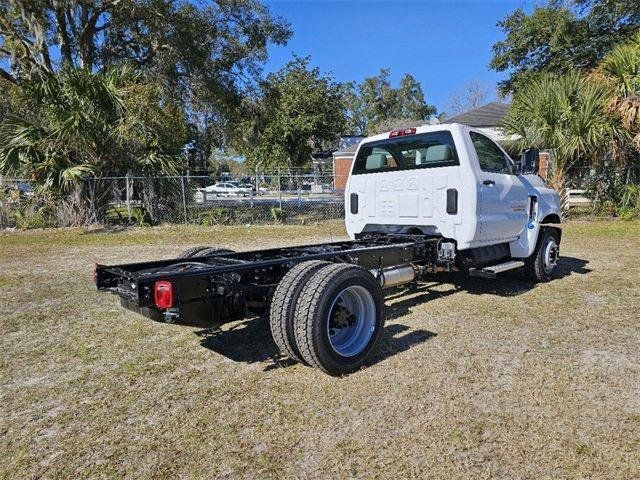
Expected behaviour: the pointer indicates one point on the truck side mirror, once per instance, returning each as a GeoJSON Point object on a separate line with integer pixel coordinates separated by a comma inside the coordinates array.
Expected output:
{"type": "Point", "coordinates": [530, 161]}
{"type": "Point", "coordinates": [517, 168]}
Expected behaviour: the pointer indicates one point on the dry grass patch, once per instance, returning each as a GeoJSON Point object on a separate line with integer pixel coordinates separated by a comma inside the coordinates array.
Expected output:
{"type": "Point", "coordinates": [473, 379]}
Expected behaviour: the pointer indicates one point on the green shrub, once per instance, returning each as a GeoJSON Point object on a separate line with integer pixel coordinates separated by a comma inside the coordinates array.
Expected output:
{"type": "Point", "coordinates": [631, 196]}
{"type": "Point", "coordinates": [37, 211]}
{"type": "Point", "coordinates": [628, 213]}
{"type": "Point", "coordinates": [140, 217]}
{"type": "Point", "coordinates": [120, 215]}
{"type": "Point", "coordinates": [606, 209]}
{"type": "Point", "coordinates": [614, 193]}
{"type": "Point", "coordinates": [276, 214]}
{"type": "Point", "coordinates": [216, 216]}
{"type": "Point", "coordinates": [263, 213]}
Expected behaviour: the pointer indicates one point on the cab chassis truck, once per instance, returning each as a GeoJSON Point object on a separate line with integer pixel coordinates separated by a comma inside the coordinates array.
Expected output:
{"type": "Point", "coordinates": [418, 201]}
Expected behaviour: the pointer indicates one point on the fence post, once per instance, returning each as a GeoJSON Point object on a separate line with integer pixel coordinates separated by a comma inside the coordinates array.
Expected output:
{"type": "Point", "coordinates": [127, 187]}
{"type": "Point", "coordinates": [184, 200]}
{"type": "Point", "coordinates": [565, 204]}
{"type": "Point", "coordinates": [92, 196]}
{"type": "Point", "coordinates": [279, 191]}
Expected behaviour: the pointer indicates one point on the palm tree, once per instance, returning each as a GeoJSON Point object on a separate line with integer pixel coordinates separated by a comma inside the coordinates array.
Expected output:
{"type": "Point", "coordinates": [77, 124]}
{"type": "Point", "coordinates": [565, 113]}
{"type": "Point", "coordinates": [620, 69]}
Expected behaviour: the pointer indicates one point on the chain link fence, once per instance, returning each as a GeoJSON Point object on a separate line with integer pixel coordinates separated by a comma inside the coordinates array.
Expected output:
{"type": "Point", "coordinates": [133, 200]}
{"type": "Point", "coordinates": [240, 199]}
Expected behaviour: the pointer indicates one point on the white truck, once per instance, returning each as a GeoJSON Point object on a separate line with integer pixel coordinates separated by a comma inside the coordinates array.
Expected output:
{"type": "Point", "coordinates": [418, 201]}
{"type": "Point", "coordinates": [454, 182]}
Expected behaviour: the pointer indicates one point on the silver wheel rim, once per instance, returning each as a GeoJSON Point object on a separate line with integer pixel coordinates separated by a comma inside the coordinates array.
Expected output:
{"type": "Point", "coordinates": [551, 253]}
{"type": "Point", "coordinates": [351, 321]}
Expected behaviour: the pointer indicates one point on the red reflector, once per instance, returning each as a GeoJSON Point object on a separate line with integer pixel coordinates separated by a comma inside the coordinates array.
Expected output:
{"type": "Point", "coordinates": [400, 133]}
{"type": "Point", "coordinates": [163, 294]}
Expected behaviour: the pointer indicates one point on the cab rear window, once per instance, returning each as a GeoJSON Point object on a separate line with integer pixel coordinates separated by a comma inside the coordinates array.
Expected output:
{"type": "Point", "coordinates": [426, 150]}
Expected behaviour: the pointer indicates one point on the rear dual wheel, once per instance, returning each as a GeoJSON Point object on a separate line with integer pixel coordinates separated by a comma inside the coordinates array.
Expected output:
{"type": "Point", "coordinates": [331, 316]}
{"type": "Point", "coordinates": [283, 305]}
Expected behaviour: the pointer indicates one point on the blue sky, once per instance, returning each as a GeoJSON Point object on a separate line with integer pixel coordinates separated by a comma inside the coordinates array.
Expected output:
{"type": "Point", "coordinates": [442, 43]}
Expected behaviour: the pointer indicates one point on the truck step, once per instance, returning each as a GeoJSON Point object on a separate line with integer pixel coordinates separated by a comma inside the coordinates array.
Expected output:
{"type": "Point", "coordinates": [492, 270]}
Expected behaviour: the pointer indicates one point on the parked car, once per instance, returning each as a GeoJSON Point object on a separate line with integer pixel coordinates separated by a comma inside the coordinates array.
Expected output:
{"type": "Point", "coordinates": [222, 189]}
{"type": "Point", "coordinates": [240, 184]}
{"type": "Point", "coordinates": [249, 185]}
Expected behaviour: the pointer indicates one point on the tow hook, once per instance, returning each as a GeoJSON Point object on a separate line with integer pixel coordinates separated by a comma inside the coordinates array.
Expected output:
{"type": "Point", "coordinates": [171, 315]}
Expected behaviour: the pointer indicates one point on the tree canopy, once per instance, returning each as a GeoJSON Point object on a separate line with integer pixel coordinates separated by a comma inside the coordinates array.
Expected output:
{"type": "Point", "coordinates": [620, 71]}
{"type": "Point", "coordinates": [566, 113]}
{"type": "Point", "coordinates": [586, 118]}
{"type": "Point", "coordinates": [374, 105]}
{"type": "Point", "coordinates": [299, 110]}
{"type": "Point", "coordinates": [77, 122]}
{"type": "Point", "coordinates": [203, 60]}
{"type": "Point", "coordinates": [204, 56]}
{"type": "Point", "coordinates": [562, 36]}
{"type": "Point", "coordinates": [473, 94]}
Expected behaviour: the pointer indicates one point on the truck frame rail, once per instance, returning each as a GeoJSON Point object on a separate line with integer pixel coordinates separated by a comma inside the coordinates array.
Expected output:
{"type": "Point", "coordinates": [212, 289]}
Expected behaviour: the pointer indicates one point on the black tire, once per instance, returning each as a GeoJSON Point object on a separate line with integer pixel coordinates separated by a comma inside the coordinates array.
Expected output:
{"type": "Point", "coordinates": [215, 251]}
{"type": "Point", "coordinates": [315, 312]}
{"type": "Point", "coordinates": [203, 250]}
{"type": "Point", "coordinates": [538, 266]}
{"type": "Point", "coordinates": [192, 251]}
{"type": "Point", "coordinates": [283, 303]}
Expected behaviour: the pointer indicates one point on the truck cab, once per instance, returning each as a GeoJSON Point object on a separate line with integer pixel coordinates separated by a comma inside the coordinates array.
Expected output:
{"type": "Point", "coordinates": [450, 181]}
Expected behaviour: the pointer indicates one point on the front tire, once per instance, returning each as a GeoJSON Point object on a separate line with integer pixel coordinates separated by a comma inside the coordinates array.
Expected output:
{"type": "Point", "coordinates": [542, 264]}
{"type": "Point", "coordinates": [339, 318]}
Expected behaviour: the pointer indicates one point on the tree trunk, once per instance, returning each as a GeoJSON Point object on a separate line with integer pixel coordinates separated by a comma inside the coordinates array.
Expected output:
{"type": "Point", "coordinates": [63, 36]}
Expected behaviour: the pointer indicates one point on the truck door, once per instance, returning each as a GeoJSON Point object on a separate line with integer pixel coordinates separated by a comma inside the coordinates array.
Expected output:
{"type": "Point", "coordinates": [503, 199]}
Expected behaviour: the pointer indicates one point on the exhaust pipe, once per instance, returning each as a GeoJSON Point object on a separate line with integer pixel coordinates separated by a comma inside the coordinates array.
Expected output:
{"type": "Point", "coordinates": [392, 276]}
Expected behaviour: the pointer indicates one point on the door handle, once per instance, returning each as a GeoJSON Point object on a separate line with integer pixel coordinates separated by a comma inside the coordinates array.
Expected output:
{"type": "Point", "coordinates": [353, 203]}
{"type": "Point", "coordinates": [488, 182]}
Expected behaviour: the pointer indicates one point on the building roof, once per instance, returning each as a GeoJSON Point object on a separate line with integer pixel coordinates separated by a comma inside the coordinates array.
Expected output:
{"type": "Point", "coordinates": [348, 151]}
{"type": "Point", "coordinates": [489, 115]}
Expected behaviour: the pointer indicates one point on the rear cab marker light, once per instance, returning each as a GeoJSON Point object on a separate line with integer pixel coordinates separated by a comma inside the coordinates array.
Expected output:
{"type": "Point", "coordinates": [402, 132]}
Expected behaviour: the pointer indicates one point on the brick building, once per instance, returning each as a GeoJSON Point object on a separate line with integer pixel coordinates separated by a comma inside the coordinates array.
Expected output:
{"type": "Point", "coordinates": [342, 161]}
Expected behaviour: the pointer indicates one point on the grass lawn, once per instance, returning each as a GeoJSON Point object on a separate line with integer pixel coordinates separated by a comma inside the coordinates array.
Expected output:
{"type": "Point", "coordinates": [473, 379]}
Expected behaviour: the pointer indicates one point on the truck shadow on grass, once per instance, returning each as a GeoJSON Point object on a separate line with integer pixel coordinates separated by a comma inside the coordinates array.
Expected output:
{"type": "Point", "coordinates": [249, 341]}
{"type": "Point", "coordinates": [508, 284]}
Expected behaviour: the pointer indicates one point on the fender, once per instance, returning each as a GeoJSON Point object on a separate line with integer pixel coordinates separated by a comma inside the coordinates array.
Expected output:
{"type": "Point", "coordinates": [546, 214]}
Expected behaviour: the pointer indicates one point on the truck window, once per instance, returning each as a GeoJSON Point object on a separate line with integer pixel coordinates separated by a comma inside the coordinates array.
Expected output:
{"type": "Point", "coordinates": [427, 150]}
{"type": "Point", "coordinates": [491, 158]}
{"type": "Point", "coordinates": [380, 158]}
